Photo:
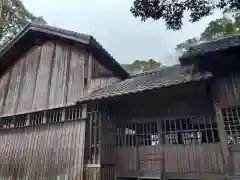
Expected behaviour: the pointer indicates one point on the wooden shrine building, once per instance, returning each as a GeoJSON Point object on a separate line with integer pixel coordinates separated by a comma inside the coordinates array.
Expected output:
{"type": "Point", "coordinates": [68, 111]}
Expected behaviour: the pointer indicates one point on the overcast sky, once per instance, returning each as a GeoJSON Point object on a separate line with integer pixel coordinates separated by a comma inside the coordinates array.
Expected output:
{"type": "Point", "coordinates": [112, 24]}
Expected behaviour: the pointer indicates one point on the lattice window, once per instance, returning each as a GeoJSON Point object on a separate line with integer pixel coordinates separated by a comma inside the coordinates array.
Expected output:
{"type": "Point", "coordinates": [42, 117]}
{"type": "Point", "coordinates": [13, 121]}
{"type": "Point", "coordinates": [139, 134]}
{"type": "Point", "coordinates": [54, 116]}
{"type": "Point", "coordinates": [36, 118]}
{"type": "Point", "coordinates": [189, 131]}
{"type": "Point", "coordinates": [7, 122]}
{"type": "Point", "coordinates": [21, 120]}
{"type": "Point", "coordinates": [93, 137]}
{"type": "Point", "coordinates": [231, 118]}
{"type": "Point", "coordinates": [73, 113]}
{"type": "Point", "coordinates": [173, 131]}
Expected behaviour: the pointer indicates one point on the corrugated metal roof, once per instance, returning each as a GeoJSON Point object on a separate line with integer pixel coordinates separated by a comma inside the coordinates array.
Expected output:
{"type": "Point", "coordinates": [164, 77]}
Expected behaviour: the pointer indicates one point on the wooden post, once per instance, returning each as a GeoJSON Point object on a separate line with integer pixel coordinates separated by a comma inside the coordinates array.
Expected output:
{"type": "Point", "coordinates": [223, 139]}
{"type": "Point", "coordinates": [84, 111]}
{"type": "Point", "coordinates": [1, 122]}
{"type": "Point", "coordinates": [161, 147]}
{"type": "Point", "coordinates": [63, 118]}
{"type": "Point", "coordinates": [12, 124]}
{"type": "Point", "coordinates": [28, 120]}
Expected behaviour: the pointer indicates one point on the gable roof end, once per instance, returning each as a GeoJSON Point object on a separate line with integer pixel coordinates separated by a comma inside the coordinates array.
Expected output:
{"type": "Point", "coordinates": [33, 34]}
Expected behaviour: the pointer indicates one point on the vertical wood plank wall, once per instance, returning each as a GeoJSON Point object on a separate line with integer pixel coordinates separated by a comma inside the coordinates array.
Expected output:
{"type": "Point", "coordinates": [227, 95]}
{"type": "Point", "coordinates": [147, 160]}
{"type": "Point", "coordinates": [92, 144]}
{"type": "Point", "coordinates": [45, 145]}
{"type": "Point", "coordinates": [100, 76]}
{"type": "Point", "coordinates": [108, 145]}
{"type": "Point", "coordinates": [227, 90]}
{"type": "Point", "coordinates": [100, 145]}
{"type": "Point", "coordinates": [42, 87]}
{"type": "Point", "coordinates": [48, 76]}
{"type": "Point", "coordinates": [179, 159]}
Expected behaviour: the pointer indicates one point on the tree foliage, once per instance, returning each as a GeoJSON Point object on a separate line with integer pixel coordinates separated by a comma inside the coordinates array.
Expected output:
{"type": "Point", "coordinates": [219, 28]}
{"type": "Point", "coordinates": [13, 17]}
{"type": "Point", "coordinates": [172, 11]}
{"type": "Point", "coordinates": [215, 29]}
{"type": "Point", "coordinates": [141, 66]}
{"type": "Point", "coordinates": [186, 45]}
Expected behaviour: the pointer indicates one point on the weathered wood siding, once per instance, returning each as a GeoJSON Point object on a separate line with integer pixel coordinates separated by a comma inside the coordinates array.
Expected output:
{"type": "Point", "coordinates": [227, 90]}
{"type": "Point", "coordinates": [147, 161]}
{"type": "Point", "coordinates": [60, 70]}
{"type": "Point", "coordinates": [12, 95]}
{"type": "Point", "coordinates": [234, 166]}
{"type": "Point", "coordinates": [76, 70]}
{"type": "Point", "coordinates": [100, 144]}
{"type": "Point", "coordinates": [108, 145]}
{"type": "Point", "coordinates": [98, 70]}
{"type": "Point", "coordinates": [46, 151]}
{"type": "Point", "coordinates": [92, 162]}
{"type": "Point", "coordinates": [29, 80]}
{"type": "Point", "coordinates": [147, 116]}
{"type": "Point", "coordinates": [92, 173]}
{"type": "Point", "coordinates": [42, 87]}
{"type": "Point", "coordinates": [100, 76]}
{"type": "Point", "coordinates": [51, 75]}
{"type": "Point", "coordinates": [204, 158]}
{"type": "Point", "coordinates": [179, 101]}
{"type": "Point", "coordinates": [4, 86]}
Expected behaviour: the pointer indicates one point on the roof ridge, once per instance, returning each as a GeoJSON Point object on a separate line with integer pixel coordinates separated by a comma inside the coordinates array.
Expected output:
{"type": "Point", "coordinates": [63, 30]}
{"type": "Point", "coordinates": [154, 70]}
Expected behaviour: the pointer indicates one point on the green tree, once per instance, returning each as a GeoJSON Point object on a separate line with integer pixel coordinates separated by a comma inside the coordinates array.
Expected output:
{"type": "Point", "coordinates": [219, 28]}
{"type": "Point", "coordinates": [141, 66]}
{"type": "Point", "coordinates": [187, 44]}
{"type": "Point", "coordinates": [215, 29]}
{"type": "Point", "coordinates": [172, 11]}
{"type": "Point", "coordinates": [13, 17]}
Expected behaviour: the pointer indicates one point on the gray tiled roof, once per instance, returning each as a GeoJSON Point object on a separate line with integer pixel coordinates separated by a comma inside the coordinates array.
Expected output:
{"type": "Point", "coordinates": [212, 46]}
{"type": "Point", "coordinates": [164, 77]}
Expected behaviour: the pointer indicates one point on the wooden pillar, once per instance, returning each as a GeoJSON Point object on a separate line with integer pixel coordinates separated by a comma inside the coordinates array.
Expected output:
{"type": "Point", "coordinates": [84, 111]}
{"type": "Point", "coordinates": [100, 144]}
{"type": "Point", "coordinates": [223, 139]}
{"type": "Point", "coordinates": [107, 145]}
{"type": "Point", "coordinates": [92, 165]}
{"type": "Point", "coordinates": [163, 173]}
